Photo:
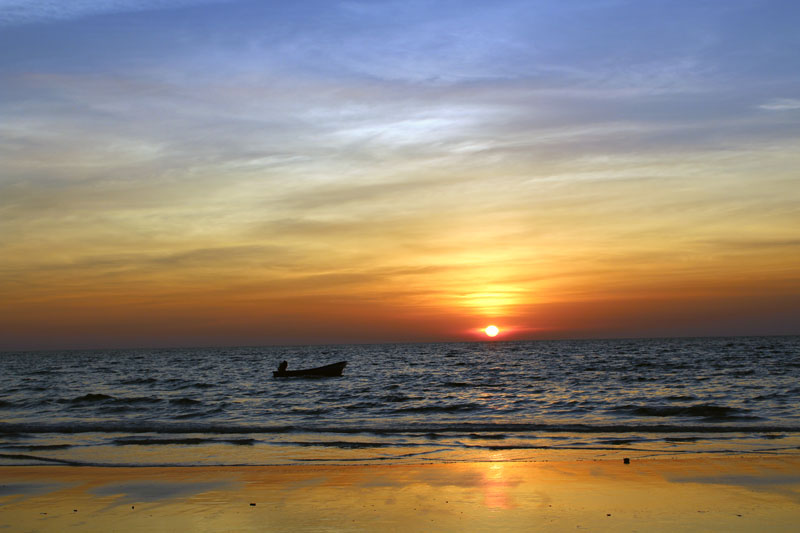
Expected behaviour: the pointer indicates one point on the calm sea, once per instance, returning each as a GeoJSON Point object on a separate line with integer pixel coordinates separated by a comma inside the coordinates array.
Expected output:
{"type": "Point", "coordinates": [402, 403]}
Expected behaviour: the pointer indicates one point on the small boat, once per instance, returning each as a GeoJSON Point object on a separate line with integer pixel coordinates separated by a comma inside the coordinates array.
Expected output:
{"type": "Point", "coordinates": [327, 371]}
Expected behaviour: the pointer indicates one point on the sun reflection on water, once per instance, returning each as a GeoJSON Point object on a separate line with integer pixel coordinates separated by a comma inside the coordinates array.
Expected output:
{"type": "Point", "coordinates": [496, 486]}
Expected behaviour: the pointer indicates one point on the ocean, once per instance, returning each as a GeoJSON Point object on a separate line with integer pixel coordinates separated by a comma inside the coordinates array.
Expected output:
{"type": "Point", "coordinates": [402, 403]}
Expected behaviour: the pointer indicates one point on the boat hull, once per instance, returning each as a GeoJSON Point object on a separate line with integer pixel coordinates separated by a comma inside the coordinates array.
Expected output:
{"type": "Point", "coordinates": [327, 371]}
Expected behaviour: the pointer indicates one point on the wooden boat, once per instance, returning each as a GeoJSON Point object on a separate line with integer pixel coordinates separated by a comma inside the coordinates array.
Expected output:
{"type": "Point", "coordinates": [327, 371]}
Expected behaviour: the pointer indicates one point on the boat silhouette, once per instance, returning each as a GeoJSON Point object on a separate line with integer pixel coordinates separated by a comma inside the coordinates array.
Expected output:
{"type": "Point", "coordinates": [327, 371]}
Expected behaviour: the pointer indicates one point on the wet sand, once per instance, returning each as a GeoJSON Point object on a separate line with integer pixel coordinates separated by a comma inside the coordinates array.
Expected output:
{"type": "Point", "coordinates": [742, 493]}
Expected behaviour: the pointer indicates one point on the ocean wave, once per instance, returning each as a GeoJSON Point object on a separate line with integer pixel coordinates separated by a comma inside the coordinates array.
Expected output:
{"type": "Point", "coordinates": [35, 447]}
{"type": "Point", "coordinates": [345, 444]}
{"type": "Point", "coordinates": [87, 398]}
{"type": "Point", "coordinates": [619, 442]}
{"type": "Point", "coordinates": [105, 400]}
{"type": "Point", "coordinates": [201, 385]}
{"type": "Point", "coordinates": [706, 411]}
{"type": "Point", "coordinates": [184, 401]}
{"type": "Point", "coordinates": [509, 447]}
{"type": "Point", "coordinates": [134, 441]}
{"type": "Point", "coordinates": [139, 381]}
{"type": "Point", "coordinates": [447, 408]}
{"type": "Point", "coordinates": [194, 385]}
{"type": "Point", "coordinates": [188, 416]}
{"type": "Point", "coordinates": [396, 398]}
{"type": "Point", "coordinates": [38, 459]}
{"type": "Point", "coordinates": [549, 391]}
{"type": "Point", "coordinates": [309, 411]}
{"type": "Point", "coordinates": [362, 406]}
{"type": "Point", "coordinates": [8, 429]}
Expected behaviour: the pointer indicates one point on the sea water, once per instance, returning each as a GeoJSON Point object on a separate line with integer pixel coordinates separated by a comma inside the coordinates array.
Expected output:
{"type": "Point", "coordinates": [402, 403]}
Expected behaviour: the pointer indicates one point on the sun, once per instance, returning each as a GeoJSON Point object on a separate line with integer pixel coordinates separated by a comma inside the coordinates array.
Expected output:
{"type": "Point", "coordinates": [492, 331]}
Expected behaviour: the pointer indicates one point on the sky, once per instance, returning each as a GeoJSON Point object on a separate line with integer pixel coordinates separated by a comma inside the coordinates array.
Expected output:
{"type": "Point", "coordinates": [200, 172]}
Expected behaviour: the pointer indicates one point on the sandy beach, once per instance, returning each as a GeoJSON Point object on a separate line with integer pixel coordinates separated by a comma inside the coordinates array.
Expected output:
{"type": "Point", "coordinates": [742, 493]}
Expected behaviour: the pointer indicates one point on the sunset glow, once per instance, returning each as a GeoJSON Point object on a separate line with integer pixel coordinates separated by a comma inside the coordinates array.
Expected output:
{"type": "Point", "coordinates": [242, 172]}
{"type": "Point", "coordinates": [492, 331]}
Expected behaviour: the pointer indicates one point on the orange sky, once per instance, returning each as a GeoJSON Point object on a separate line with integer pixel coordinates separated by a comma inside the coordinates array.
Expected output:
{"type": "Point", "coordinates": [247, 192]}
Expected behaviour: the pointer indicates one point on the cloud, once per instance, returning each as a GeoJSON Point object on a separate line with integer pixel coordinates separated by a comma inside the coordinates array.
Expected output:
{"type": "Point", "coordinates": [14, 12]}
{"type": "Point", "coordinates": [781, 104]}
{"type": "Point", "coordinates": [749, 244]}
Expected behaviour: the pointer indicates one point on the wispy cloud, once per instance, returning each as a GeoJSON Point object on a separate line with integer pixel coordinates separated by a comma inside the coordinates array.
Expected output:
{"type": "Point", "coordinates": [781, 104]}
{"type": "Point", "coordinates": [14, 12]}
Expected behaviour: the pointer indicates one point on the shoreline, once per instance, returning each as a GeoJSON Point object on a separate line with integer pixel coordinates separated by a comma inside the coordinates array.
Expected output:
{"type": "Point", "coordinates": [340, 460]}
{"type": "Point", "coordinates": [730, 493]}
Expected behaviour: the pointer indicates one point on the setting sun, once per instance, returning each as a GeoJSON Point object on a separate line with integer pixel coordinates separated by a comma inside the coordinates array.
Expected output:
{"type": "Point", "coordinates": [492, 331]}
